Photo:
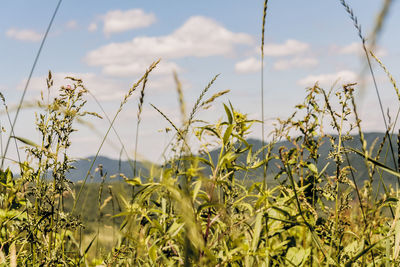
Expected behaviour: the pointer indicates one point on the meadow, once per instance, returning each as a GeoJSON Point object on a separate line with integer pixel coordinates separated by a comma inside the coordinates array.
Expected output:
{"type": "Point", "coordinates": [305, 198]}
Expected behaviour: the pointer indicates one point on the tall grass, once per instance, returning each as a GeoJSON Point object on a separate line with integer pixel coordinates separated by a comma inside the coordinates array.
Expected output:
{"type": "Point", "coordinates": [301, 209]}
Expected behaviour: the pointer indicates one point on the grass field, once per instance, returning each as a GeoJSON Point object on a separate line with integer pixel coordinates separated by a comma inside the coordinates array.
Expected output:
{"type": "Point", "coordinates": [230, 204]}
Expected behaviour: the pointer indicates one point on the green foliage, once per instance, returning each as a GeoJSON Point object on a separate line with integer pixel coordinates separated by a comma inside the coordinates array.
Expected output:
{"type": "Point", "coordinates": [197, 209]}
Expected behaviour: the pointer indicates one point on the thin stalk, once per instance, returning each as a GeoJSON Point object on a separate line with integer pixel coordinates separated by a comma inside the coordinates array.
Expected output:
{"type": "Point", "coordinates": [360, 35]}
{"type": "Point", "coordinates": [262, 92]}
{"type": "Point", "coordinates": [346, 155]}
{"type": "Point", "coordinates": [133, 88]}
{"type": "Point", "coordinates": [140, 108]}
{"type": "Point", "coordinates": [12, 132]}
{"type": "Point", "coordinates": [29, 78]}
{"type": "Point", "coordinates": [114, 130]}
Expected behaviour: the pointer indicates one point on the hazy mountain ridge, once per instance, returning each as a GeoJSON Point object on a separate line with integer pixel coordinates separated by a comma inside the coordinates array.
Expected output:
{"type": "Point", "coordinates": [356, 161]}
{"type": "Point", "coordinates": [110, 167]}
{"type": "Point", "coordinates": [114, 166]}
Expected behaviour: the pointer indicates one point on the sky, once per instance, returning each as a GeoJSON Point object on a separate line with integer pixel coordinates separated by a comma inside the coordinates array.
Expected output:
{"type": "Point", "coordinates": [109, 45]}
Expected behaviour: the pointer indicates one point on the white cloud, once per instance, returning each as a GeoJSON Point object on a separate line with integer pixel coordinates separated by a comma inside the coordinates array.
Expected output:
{"type": "Point", "coordinates": [197, 37]}
{"type": "Point", "coordinates": [72, 24]}
{"type": "Point", "coordinates": [297, 62]}
{"type": "Point", "coordinates": [139, 66]}
{"type": "Point", "coordinates": [103, 88]}
{"type": "Point", "coordinates": [166, 83]}
{"type": "Point", "coordinates": [119, 21]}
{"type": "Point", "coordinates": [357, 49]}
{"type": "Point", "coordinates": [248, 65]}
{"type": "Point", "coordinates": [92, 27]}
{"type": "Point", "coordinates": [24, 35]}
{"type": "Point", "coordinates": [329, 79]}
{"type": "Point", "coordinates": [290, 47]}
{"type": "Point", "coordinates": [353, 48]}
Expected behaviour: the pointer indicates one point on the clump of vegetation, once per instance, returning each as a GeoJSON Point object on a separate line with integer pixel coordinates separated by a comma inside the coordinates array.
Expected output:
{"type": "Point", "coordinates": [205, 208]}
{"type": "Point", "coordinates": [35, 221]}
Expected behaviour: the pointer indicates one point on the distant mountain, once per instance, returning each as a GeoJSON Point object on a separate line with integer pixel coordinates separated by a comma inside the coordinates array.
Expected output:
{"type": "Point", "coordinates": [110, 167]}
{"type": "Point", "coordinates": [356, 161]}
{"type": "Point", "coordinates": [113, 166]}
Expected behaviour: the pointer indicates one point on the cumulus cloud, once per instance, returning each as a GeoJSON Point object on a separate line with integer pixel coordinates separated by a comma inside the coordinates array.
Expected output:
{"type": "Point", "coordinates": [290, 47]}
{"type": "Point", "coordinates": [353, 48]}
{"type": "Point", "coordinates": [329, 79]}
{"type": "Point", "coordinates": [357, 49]}
{"type": "Point", "coordinates": [119, 21]}
{"type": "Point", "coordinates": [248, 65]}
{"type": "Point", "coordinates": [103, 88]}
{"type": "Point", "coordinates": [198, 37]}
{"type": "Point", "coordinates": [137, 67]}
{"type": "Point", "coordinates": [297, 62]}
{"type": "Point", "coordinates": [24, 35]}
{"type": "Point", "coordinates": [92, 27]}
{"type": "Point", "coordinates": [72, 24]}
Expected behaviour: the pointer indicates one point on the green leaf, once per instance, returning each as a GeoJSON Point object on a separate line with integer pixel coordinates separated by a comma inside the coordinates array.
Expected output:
{"type": "Point", "coordinates": [211, 130]}
{"type": "Point", "coordinates": [206, 206]}
{"type": "Point", "coordinates": [135, 181]}
{"type": "Point", "coordinates": [297, 255]}
{"type": "Point", "coordinates": [396, 226]}
{"type": "Point", "coordinates": [90, 244]}
{"type": "Point", "coordinates": [196, 189]}
{"type": "Point", "coordinates": [205, 161]}
{"type": "Point", "coordinates": [249, 155]}
{"type": "Point", "coordinates": [175, 228]}
{"type": "Point", "coordinates": [229, 114]}
{"type": "Point", "coordinates": [257, 232]}
{"type": "Point", "coordinates": [227, 134]}
{"type": "Point", "coordinates": [87, 248]}
{"type": "Point", "coordinates": [258, 164]}
{"type": "Point", "coordinates": [153, 253]}
{"type": "Point", "coordinates": [377, 163]}
{"type": "Point", "coordinates": [312, 168]}
{"type": "Point", "coordinates": [25, 141]}
{"type": "Point", "coordinates": [362, 252]}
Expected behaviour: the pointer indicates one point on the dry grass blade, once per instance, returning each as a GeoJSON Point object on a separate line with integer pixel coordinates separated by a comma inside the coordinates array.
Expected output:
{"type": "Point", "coordinates": [263, 27]}
{"type": "Point", "coordinates": [349, 11]}
{"type": "Point", "coordinates": [198, 101]}
{"type": "Point", "coordinates": [141, 100]}
{"type": "Point", "coordinates": [380, 19]}
{"type": "Point", "coordinates": [140, 108]}
{"type": "Point", "coordinates": [133, 88]}
{"type": "Point", "coordinates": [358, 27]}
{"type": "Point", "coordinates": [206, 103]}
{"type": "Point", "coordinates": [394, 84]}
{"type": "Point", "coordinates": [389, 75]}
{"type": "Point", "coordinates": [189, 122]}
{"type": "Point", "coordinates": [181, 100]}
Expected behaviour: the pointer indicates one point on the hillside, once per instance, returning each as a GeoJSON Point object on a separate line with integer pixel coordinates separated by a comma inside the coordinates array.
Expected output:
{"type": "Point", "coordinates": [110, 167]}
{"type": "Point", "coordinates": [113, 166]}
{"type": "Point", "coordinates": [356, 161]}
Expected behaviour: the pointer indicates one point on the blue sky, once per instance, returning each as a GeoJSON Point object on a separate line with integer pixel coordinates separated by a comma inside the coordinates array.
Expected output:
{"type": "Point", "coordinates": [109, 44]}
